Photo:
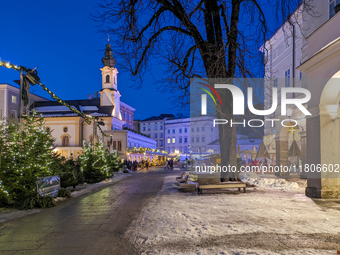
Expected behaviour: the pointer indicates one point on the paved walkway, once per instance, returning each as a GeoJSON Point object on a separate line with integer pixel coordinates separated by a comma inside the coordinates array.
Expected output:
{"type": "Point", "coordinates": [91, 224]}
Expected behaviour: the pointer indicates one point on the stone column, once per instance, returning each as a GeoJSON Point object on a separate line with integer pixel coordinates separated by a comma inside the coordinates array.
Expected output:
{"type": "Point", "coordinates": [303, 140]}
{"type": "Point", "coordinates": [323, 150]}
{"type": "Point", "coordinates": [282, 154]}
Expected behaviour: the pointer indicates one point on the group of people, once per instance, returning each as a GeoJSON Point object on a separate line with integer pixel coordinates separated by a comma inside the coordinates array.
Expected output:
{"type": "Point", "coordinates": [134, 165]}
{"type": "Point", "coordinates": [169, 164]}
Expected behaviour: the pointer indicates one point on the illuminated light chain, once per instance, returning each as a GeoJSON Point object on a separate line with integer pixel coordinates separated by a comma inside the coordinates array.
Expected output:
{"type": "Point", "coordinates": [87, 118]}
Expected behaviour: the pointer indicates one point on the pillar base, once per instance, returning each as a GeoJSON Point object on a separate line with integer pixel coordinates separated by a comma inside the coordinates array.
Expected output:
{"type": "Point", "coordinates": [283, 174]}
{"type": "Point", "coordinates": [322, 192]}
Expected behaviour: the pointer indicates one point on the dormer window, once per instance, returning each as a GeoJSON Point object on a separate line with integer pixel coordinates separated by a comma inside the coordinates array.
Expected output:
{"type": "Point", "coordinates": [107, 79]}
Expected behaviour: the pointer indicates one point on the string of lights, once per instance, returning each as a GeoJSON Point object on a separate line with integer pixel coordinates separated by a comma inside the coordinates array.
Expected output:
{"type": "Point", "coordinates": [87, 118]}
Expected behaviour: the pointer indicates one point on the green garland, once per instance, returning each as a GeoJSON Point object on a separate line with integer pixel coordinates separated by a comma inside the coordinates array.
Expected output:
{"type": "Point", "coordinates": [87, 118]}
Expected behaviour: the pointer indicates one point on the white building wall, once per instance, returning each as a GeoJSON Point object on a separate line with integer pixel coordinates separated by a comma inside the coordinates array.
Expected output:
{"type": "Point", "coordinates": [155, 129]}
{"type": "Point", "coordinates": [279, 54]}
{"type": "Point", "coordinates": [199, 133]}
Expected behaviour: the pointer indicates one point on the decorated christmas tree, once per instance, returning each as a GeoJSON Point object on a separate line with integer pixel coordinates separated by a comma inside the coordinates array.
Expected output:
{"type": "Point", "coordinates": [26, 153]}
{"type": "Point", "coordinates": [97, 163]}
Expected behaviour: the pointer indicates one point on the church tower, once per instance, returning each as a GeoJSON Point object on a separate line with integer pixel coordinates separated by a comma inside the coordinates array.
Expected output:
{"type": "Point", "coordinates": [109, 94]}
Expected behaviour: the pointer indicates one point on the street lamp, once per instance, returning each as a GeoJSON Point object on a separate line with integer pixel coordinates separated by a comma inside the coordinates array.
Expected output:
{"type": "Point", "coordinates": [289, 112]}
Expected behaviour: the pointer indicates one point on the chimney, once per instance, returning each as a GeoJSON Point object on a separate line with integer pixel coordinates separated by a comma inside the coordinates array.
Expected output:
{"type": "Point", "coordinates": [89, 96]}
{"type": "Point", "coordinates": [96, 94]}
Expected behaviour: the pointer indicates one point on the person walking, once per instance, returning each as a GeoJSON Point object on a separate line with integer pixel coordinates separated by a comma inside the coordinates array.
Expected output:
{"type": "Point", "coordinates": [147, 165]}
{"type": "Point", "coordinates": [166, 165]}
{"type": "Point", "coordinates": [171, 164]}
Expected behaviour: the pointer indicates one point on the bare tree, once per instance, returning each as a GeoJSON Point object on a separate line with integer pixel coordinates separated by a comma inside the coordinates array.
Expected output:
{"type": "Point", "coordinates": [196, 39]}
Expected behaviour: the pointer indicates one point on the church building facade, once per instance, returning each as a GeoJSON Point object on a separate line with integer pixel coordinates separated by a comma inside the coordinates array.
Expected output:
{"type": "Point", "coordinates": [70, 130]}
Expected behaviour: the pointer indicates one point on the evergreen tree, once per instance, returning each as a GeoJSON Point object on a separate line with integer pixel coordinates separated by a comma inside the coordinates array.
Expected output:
{"type": "Point", "coordinates": [68, 171]}
{"type": "Point", "coordinates": [96, 163]}
{"type": "Point", "coordinates": [26, 154]}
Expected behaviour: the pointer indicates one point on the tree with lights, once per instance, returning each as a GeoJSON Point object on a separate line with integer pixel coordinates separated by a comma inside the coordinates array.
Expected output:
{"type": "Point", "coordinates": [97, 163]}
{"type": "Point", "coordinates": [26, 154]}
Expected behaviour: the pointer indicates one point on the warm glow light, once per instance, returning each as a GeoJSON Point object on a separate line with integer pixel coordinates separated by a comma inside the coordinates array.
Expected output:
{"type": "Point", "coordinates": [176, 151]}
{"type": "Point", "coordinates": [289, 112]}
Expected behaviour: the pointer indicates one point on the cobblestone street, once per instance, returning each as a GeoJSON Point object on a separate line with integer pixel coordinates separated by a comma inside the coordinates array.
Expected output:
{"type": "Point", "coordinates": [91, 224]}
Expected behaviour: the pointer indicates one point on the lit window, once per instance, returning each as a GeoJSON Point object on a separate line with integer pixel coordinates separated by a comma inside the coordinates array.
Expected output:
{"type": "Point", "coordinates": [168, 141]}
{"type": "Point", "coordinates": [173, 140]}
{"type": "Point", "coordinates": [14, 99]}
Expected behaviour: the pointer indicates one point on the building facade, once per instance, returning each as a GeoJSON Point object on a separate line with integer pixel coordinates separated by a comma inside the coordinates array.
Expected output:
{"type": "Point", "coordinates": [154, 127]}
{"type": "Point", "coordinates": [9, 101]}
{"type": "Point", "coordinates": [70, 130]}
{"type": "Point", "coordinates": [284, 52]}
{"type": "Point", "coordinates": [191, 136]}
{"type": "Point", "coordinates": [127, 115]}
{"type": "Point", "coordinates": [317, 133]}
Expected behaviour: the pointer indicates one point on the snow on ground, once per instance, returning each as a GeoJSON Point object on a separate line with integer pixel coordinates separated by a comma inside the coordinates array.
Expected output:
{"type": "Point", "coordinates": [276, 208]}
{"type": "Point", "coordinates": [10, 214]}
{"type": "Point", "coordinates": [274, 183]}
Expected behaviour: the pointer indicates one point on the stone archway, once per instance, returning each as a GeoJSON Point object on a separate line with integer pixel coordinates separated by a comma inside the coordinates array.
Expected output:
{"type": "Point", "coordinates": [322, 74]}
{"type": "Point", "coordinates": [323, 143]}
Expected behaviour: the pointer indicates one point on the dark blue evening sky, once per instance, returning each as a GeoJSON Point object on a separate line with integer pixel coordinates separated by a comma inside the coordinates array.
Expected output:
{"type": "Point", "coordinates": [60, 38]}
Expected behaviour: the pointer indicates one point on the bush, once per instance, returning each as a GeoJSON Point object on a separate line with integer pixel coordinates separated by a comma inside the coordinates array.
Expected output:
{"type": "Point", "coordinates": [68, 171]}
{"type": "Point", "coordinates": [64, 193]}
{"type": "Point", "coordinates": [37, 202]}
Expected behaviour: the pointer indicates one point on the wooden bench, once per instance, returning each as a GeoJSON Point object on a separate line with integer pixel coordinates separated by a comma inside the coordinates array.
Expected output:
{"type": "Point", "coordinates": [188, 186]}
{"type": "Point", "coordinates": [223, 185]}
